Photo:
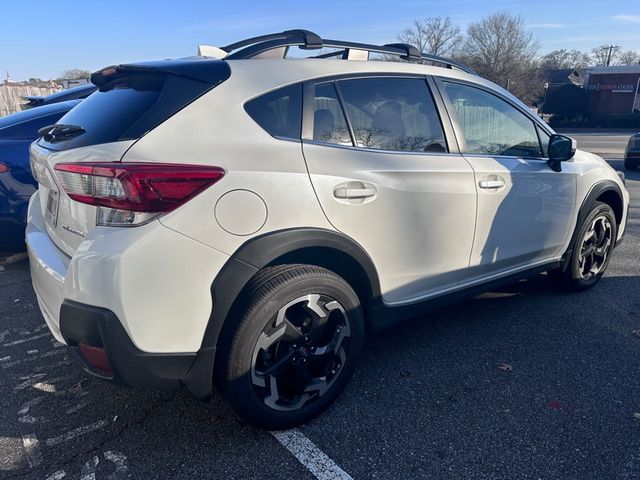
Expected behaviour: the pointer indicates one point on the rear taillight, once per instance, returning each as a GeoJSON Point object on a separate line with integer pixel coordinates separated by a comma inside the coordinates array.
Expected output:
{"type": "Point", "coordinates": [42, 174]}
{"type": "Point", "coordinates": [131, 193]}
{"type": "Point", "coordinates": [4, 168]}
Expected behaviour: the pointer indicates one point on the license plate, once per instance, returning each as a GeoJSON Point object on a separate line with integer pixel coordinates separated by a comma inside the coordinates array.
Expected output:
{"type": "Point", "coordinates": [51, 214]}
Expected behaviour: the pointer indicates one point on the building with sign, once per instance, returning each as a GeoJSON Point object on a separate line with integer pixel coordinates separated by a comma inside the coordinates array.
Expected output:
{"type": "Point", "coordinates": [613, 90]}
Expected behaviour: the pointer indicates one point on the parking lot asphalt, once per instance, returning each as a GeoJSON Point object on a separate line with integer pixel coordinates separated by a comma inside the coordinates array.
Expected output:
{"type": "Point", "coordinates": [523, 382]}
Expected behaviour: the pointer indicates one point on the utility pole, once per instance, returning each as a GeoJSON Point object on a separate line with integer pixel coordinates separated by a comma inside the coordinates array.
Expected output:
{"type": "Point", "coordinates": [610, 48]}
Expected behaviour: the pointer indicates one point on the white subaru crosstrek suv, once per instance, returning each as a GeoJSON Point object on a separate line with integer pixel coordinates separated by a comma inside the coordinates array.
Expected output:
{"type": "Point", "coordinates": [242, 219]}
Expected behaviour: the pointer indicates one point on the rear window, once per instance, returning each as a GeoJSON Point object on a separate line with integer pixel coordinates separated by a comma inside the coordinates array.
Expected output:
{"type": "Point", "coordinates": [279, 112]}
{"type": "Point", "coordinates": [127, 108]}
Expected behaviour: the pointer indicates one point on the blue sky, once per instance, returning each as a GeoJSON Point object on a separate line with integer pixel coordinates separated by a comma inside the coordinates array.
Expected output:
{"type": "Point", "coordinates": [38, 39]}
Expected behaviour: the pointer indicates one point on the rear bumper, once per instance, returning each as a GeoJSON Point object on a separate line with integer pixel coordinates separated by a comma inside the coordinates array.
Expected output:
{"type": "Point", "coordinates": [143, 294]}
{"type": "Point", "coordinates": [130, 366]}
{"type": "Point", "coordinates": [49, 266]}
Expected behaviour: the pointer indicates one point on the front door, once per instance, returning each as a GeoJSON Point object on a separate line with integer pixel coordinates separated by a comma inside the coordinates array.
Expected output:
{"type": "Point", "coordinates": [525, 209]}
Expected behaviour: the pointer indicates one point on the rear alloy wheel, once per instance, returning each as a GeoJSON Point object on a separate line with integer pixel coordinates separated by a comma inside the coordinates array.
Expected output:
{"type": "Point", "coordinates": [294, 348]}
{"type": "Point", "coordinates": [592, 249]}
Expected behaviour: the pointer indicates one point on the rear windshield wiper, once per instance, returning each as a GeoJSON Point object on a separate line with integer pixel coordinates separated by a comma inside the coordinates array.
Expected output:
{"type": "Point", "coordinates": [59, 132]}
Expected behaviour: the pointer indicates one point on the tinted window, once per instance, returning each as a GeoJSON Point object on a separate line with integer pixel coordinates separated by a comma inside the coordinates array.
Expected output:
{"type": "Point", "coordinates": [128, 107]}
{"type": "Point", "coordinates": [279, 112]}
{"type": "Point", "coordinates": [329, 125]}
{"type": "Point", "coordinates": [393, 114]}
{"type": "Point", "coordinates": [490, 125]}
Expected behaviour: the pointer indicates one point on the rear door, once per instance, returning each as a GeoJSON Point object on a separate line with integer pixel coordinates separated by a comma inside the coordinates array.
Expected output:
{"type": "Point", "coordinates": [386, 176]}
{"type": "Point", "coordinates": [525, 209]}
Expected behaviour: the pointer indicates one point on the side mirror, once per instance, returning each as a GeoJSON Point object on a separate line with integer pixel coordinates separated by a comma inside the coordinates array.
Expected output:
{"type": "Point", "coordinates": [561, 149]}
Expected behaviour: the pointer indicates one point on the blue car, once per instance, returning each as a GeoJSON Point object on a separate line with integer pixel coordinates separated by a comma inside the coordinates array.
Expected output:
{"type": "Point", "coordinates": [75, 93]}
{"type": "Point", "coordinates": [17, 131]}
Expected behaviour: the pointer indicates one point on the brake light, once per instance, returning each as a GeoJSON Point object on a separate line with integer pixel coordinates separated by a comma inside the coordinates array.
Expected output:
{"type": "Point", "coordinates": [127, 189]}
{"type": "Point", "coordinates": [4, 168]}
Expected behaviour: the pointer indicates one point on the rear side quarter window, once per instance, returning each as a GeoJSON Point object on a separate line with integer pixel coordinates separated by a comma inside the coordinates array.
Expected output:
{"type": "Point", "coordinates": [279, 113]}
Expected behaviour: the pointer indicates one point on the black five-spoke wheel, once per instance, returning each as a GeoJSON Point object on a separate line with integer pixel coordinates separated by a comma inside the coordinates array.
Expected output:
{"type": "Point", "coordinates": [595, 247]}
{"type": "Point", "coordinates": [293, 348]}
{"type": "Point", "coordinates": [591, 250]}
{"type": "Point", "coordinates": [301, 351]}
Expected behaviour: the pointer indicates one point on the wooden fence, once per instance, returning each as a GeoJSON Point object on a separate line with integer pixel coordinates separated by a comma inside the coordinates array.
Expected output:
{"type": "Point", "coordinates": [10, 96]}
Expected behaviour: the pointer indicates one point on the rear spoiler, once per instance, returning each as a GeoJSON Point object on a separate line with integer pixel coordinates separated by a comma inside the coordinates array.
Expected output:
{"type": "Point", "coordinates": [196, 68]}
{"type": "Point", "coordinates": [32, 101]}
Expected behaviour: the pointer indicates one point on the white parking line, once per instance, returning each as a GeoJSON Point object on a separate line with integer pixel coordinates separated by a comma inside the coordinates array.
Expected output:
{"type": "Point", "coordinates": [314, 459]}
{"type": "Point", "coordinates": [71, 434]}
{"type": "Point", "coordinates": [32, 449]}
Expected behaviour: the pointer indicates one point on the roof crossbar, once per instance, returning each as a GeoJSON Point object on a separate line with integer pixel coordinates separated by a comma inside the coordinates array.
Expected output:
{"type": "Point", "coordinates": [308, 39]}
{"type": "Point", "coordinates": [305, 39]}
{"type": "Point", "coordinates": [412, 53]}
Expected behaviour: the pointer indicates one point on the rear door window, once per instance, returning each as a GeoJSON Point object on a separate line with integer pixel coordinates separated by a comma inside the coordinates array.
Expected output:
{"type": "Point", "coordinates": [279, 112]}
{"type": "Point", "coordinates": [393, 114]}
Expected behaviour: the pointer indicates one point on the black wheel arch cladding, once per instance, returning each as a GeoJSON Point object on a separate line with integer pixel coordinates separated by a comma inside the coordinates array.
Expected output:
{"type": "Point", "coordinates": [315, 246]}
{"type": "Point", "coordinates": [606, 191]}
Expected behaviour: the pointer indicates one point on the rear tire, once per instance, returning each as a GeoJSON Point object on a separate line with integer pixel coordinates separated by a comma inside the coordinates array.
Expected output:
{"type": "Point", "coordinates": [292, 350]}
{"type": "Point", "coordinates": [592, 250]}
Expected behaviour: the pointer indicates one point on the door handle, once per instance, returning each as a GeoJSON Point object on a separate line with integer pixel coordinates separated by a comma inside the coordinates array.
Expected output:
{"type": "Point", "coordinates": [344, 192]}
{"type": "Point", "coordinates": [491, 183]}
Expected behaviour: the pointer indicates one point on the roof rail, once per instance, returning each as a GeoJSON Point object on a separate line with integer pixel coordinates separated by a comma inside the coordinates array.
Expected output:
{"type": "Point", "coordinates": [276, 45]}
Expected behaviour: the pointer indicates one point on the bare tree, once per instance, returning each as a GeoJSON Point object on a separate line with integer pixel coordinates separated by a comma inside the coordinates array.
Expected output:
{"type": "Point", "coordinates": [433, 35]}
{"type": "Point", "coordinates": [605, 55]}
{"type": "Point", "coordinates": [630, 57]}
{"type": "Point", "coordinates": [499, 48]}
{"type": "Point", "coordinates": [75, 74]}
{"type": "Point", "coordinates": [560, 59]}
